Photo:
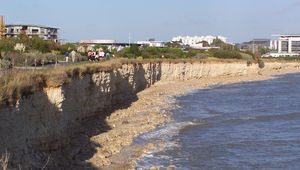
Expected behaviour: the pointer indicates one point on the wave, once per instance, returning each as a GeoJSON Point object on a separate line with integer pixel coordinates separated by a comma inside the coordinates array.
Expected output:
{"type": "Point", "coordinates": [166, 135]}
{"type": "Point", "coordinates": [289, 116]}
{"type": "Point", "coordinates": [168, 131]}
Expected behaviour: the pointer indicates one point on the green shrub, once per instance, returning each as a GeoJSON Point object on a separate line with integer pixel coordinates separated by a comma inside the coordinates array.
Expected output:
{"type": "Point", "coordinates": [155, 52]}
{"type": "Point", "coordinates": [6, 64]}
{"type": "Point", "coordinates": [80, 57]}
{"type": "Point", "coordinates": [151, 52]}
{"type": "Point", "coordinates": [261, 64]}
{"type": "Point", "coordinates": [134, 49]}
{"type": "Point", "coordinates": [227, 54]}
{"type": "Point", "coordinates": [192, 53]}
{"type": "Point", "coordinates": [33, 44]}
{"type": "Point", "coordinates": [17, 59]}
{"type": "Point", "coordinates": [249, 63]}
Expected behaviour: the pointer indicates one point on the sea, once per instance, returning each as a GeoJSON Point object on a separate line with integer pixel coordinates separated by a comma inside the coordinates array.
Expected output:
{"type": "Point", "coordinates": [248, 125]}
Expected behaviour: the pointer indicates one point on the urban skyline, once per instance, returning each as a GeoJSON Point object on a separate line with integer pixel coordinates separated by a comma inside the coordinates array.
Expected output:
{"type": "Point", "coordinates": [239, 21]}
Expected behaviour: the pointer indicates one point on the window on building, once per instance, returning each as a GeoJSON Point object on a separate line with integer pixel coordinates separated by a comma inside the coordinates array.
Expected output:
{"type": "Point", "coordinates": [296, 46]}
{"type": "Point", "coordinates": [24, 28]}
{"type": "Point", "coordinates": [284, 46]}
{"type": "Point", "coordinates": [35, 31]}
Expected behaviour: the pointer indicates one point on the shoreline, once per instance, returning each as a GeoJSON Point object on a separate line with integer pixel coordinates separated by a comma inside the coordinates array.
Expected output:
{"type": "Point", "coordinates": [150, 111]}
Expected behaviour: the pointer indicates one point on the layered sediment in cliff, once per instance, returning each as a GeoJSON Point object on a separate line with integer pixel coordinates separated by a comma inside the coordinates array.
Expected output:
{"type": "Point", "coordinates": [45, 121]}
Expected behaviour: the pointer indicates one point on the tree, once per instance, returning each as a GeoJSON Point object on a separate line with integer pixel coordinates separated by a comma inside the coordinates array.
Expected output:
{"type": "Point", "coordinates": [263, 51]}
{"type": "Point", "coordinates": [134, 49]}
{"type": "Point", "coordinates": [173, 44]}
{"type": "Point", "coordinates": [70, 46]}
{"type": "Point", "coordinates": [223, 46]}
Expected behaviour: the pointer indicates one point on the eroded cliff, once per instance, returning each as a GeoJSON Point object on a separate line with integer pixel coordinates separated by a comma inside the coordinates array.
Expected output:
{"type": "Point", "coordinates": [46, 121]}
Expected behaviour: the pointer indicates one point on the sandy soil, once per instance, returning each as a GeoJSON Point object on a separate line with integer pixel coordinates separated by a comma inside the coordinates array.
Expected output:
{"type": "Point", "coordinates": [148, 112]}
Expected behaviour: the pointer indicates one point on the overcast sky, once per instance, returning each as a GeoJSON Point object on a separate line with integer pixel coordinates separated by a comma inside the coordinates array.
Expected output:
{"type": "Point", "coordinates": [238, 20]}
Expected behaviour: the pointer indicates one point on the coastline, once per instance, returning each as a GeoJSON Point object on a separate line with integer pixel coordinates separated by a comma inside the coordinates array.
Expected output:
{"type": "Point", "coordinates": [150, 111]}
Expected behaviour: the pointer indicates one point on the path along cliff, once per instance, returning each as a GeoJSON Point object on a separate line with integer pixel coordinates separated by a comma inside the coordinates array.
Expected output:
{"type": "Point", "coordinates": [69, 126]}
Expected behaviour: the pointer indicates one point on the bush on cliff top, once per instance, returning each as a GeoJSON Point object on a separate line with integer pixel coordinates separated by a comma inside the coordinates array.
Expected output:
{"type": "Point", "coordinates": [227, 54]}
{"type": "Point", "coordinates": [31, 44]}
{"type": "Point", "coordinates": [151, 52]}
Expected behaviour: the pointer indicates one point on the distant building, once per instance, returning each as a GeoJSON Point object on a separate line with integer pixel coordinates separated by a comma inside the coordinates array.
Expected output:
{"type": "Point", "coordinates": [45, 32]}
{"type": "Point", "coordinates": [104, 43]}
{"type": "Point", "coordinates": [198, 39]}
{"type": "Point", "coordinates": [286, 45]}
{"type": "Point", "coordinates": [274, 44]}
{"type": "Point", "coordinates": [95, 42]}
{"type": "Point", "coordinates": [110, 44]}
{"type": "Point", "coordinates": [289, 44]}
{"type": "Point", "coordinates": [255, 45]}
{"type": "Point", "coordinates": [151, 43]}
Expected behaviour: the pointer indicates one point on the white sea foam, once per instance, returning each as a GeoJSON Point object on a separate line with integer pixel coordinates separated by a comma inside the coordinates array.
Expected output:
{"type": "Point", "coordinates": [167, 132]}
{"type": "Point", "coordinates": [249, 118]}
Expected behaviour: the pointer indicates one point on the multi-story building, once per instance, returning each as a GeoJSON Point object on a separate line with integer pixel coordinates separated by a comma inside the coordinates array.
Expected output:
{"type": "Point", "coordinates": [196, 39]}
{"type": "Point", "coordinates": [286, 45]}
{"type": "Point", "coordinates": [45, 32]}
{"type": "Point", "coordinates": [197, 42]}
{"type": "Point", "coordinates": [289, 43]}
{"type": "Point", "coordinates": [151, 43]}
{"type": "Point", "coordinates": [110, 44]}
{"type": "Point", "coordinates": [273, 44]}
{"type": "Point", "coordinates": [256, 44]}
{"type": "Point", "coordinates": [100, 42]}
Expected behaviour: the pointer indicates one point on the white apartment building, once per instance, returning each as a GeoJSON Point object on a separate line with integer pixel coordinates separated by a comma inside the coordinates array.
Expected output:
{"type": "Point", "coordinates": [286, 45]}
{"type": "Point", "coordinates": [196, 40]}
{"type": "Point", "coordinates": [151, 43]}
{"type": "Point", "coordinates": [274, 44]}
{"type": "Point", "coordinates": [101, 42]}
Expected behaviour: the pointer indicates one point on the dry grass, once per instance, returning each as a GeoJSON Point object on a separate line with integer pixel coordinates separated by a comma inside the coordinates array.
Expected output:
{"type": "Point", "coordinates": [15, 84]}
{"type": "Point", "coordinates": [273, 60]}
{"type": "Point", "coordinates": [4, 160]}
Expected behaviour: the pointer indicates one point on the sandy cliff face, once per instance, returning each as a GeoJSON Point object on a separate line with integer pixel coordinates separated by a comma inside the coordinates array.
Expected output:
{"type": "Point", "coordinates": [45, 121]}
{"type": "Point", "coordinates": [187, 71]}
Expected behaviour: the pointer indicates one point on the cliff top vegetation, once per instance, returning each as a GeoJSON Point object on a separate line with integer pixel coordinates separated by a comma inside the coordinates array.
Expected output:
{"type": "Point", "coordinates": [25, 51]}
